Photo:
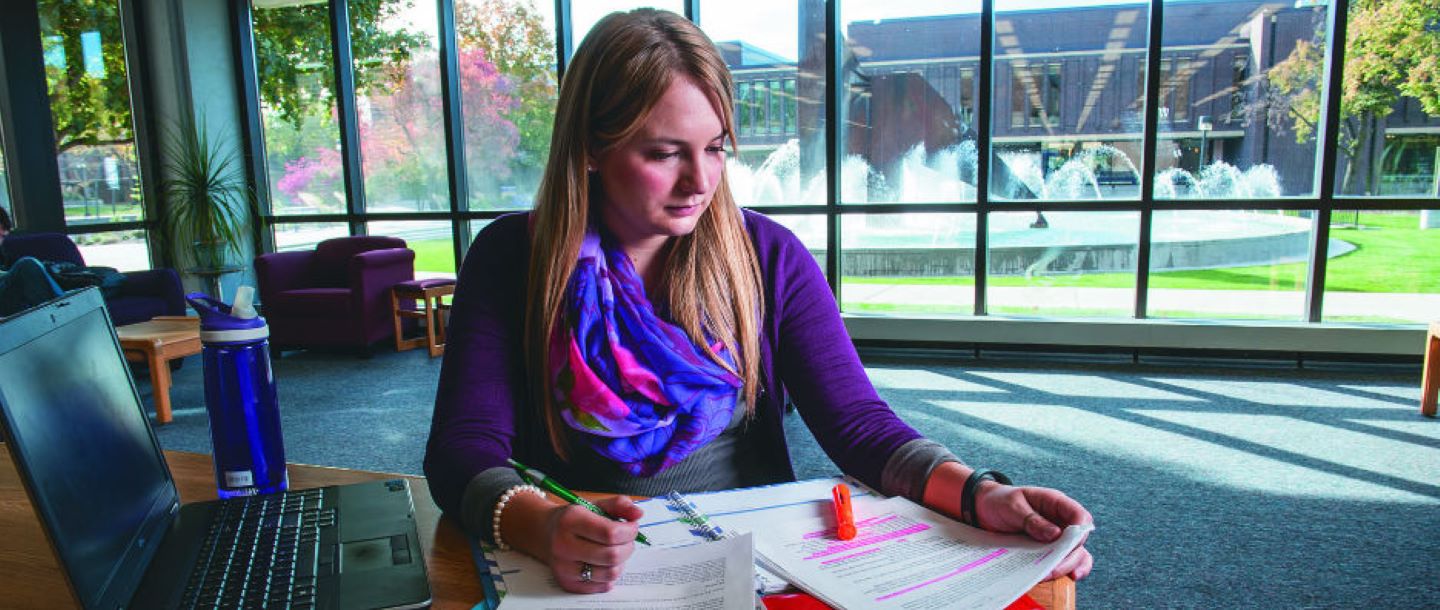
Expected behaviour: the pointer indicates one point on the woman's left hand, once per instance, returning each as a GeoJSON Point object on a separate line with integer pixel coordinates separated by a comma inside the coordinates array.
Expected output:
{"type": "Point", "coordinates": [1041, 513]}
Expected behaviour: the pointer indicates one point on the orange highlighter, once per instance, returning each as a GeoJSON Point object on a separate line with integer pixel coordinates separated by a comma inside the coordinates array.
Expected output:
{"type": "Point", "coordinates": [844, 514]}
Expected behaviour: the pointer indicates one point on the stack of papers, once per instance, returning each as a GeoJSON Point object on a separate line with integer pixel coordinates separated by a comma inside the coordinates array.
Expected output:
{"type": "Point", "coordinates": [711, 576]}
{"type": "Point", "coordinates": [907, 556]}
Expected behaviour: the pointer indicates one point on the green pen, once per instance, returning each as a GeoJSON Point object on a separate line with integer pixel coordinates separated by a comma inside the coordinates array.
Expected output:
{"type": "Point", "coordinates": [551, 485]}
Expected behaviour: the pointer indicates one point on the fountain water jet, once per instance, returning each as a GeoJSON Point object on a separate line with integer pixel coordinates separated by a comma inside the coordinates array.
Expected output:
{"type": "Point", "coordinates": [943, 244]}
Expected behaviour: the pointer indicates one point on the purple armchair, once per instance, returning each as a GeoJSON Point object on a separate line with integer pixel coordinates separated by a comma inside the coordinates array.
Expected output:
{"type": "Point", "coordinates": [337, 295]}
{"type": "Point", "coordinates": [143, 294]}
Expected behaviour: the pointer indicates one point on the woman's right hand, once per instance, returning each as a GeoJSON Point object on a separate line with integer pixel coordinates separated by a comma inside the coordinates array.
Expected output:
{"type": "Point", "coordinates": [576, 538]}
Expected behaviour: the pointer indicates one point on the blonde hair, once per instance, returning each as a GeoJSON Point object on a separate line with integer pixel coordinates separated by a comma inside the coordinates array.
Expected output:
{"type": "Point", "coordinates": [618, 74]}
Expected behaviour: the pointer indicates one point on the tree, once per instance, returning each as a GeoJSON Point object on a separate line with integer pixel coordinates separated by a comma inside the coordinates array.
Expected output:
{"type": "Point", "coordinates": [85, 71]}
{"type": "Point", "coordinates": [405, 123]}
{"type": "Point", "coordinates": [512, 35]}
{"type": "Point", "coordinates": [506, 64]}
{"type": "Point", "coordinates": [1392, 49]}
{"type": "Point", "coordinates": [507, 89]}
{"type": "Point", "coordinates": [293, 56]}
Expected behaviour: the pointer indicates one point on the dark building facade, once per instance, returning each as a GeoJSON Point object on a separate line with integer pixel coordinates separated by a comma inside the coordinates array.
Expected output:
{"type": "Point", "coordinates": [1069, 79]}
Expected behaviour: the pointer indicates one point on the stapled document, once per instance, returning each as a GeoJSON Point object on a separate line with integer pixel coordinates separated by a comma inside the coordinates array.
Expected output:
{"type": "Point", "coordinates": [907, 556]}
{"type": "Point", "coordinates": [713, 575]}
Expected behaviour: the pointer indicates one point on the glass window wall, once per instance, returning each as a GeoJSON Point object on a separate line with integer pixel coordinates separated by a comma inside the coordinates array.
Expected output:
{"type": "Point", "coordinates": [1232, 121]}
{"type": "Point", "coordinates": [5, 182]}
{"type": "Point", "coordinates": [1246, 264]}
{"type": "Point", "coordinates": [908, 113]}
{"type": "Point", "coordinates": [908, 263]}
{"type": "Point", "coordinates": [396, 49]}
{"type": "Point", "coordinates": [1389, 137]}
{"type": "Point", "coordinates": [1240, 101]}
{"type": "Point", "coordinates": [585, 13]}
{"type": "Point", "coordinates": [293, 62]}
{"type": "Point", "coordinates": [1383, 266]}
{"type": "Point", "coordinates": [123, 250]}
{"type": "Point", "coordinates": [432, 242]}
{"type": "Point", "coordinates": [291, 236]}
{"type": "Point", "coordinates": [1075, 127]}
{"type": "Point", "coordinates": [1063, 264]}
{"type": "Point", "coordinates": [779, 98]}
{"type": "Point", "coordinates": [84, 53]}
{"type": "Point", "coordinates": [508, 90]}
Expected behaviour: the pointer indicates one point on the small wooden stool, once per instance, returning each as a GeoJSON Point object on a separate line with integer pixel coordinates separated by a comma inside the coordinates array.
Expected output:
{"type": "Point", "coordinates": [432, 310]}
{"type": "Point", "coordinates": [1430, 382]}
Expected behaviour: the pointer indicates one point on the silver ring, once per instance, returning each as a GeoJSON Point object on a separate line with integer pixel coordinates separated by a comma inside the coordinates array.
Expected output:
{"type": "Point", "coordinates": [586, 572]}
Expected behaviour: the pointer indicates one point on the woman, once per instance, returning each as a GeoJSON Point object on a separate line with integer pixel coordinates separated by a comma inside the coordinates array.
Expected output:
{"type": "Point", "coordinates": [650, 332]}
{"type": "Point", "coordinates": [5, 227]}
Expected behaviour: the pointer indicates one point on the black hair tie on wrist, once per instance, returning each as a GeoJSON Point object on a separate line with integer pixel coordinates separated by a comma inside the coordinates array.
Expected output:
{"type": "Point", "coordinates": [968, 514]}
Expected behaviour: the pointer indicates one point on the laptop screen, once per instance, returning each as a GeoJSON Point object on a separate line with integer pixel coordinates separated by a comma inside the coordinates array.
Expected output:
{"type": "Point", "coordinates": [81, 441]}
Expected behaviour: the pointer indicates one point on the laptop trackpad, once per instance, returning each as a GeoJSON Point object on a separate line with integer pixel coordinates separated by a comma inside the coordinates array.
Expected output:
{"type": "Point", "coordinates": [374, 554]}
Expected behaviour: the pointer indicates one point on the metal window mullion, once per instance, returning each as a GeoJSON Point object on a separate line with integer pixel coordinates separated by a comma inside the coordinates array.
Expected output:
{"type": "Point", "coordinates": [833, 63]}
{"type": "Point", "coordinates": [984, 73]}
{"type": "Point", "coordinates": [1151, 141]}
{"type": "Point", "coordinates": [31, 151]}
{"type": "Point", "coordinates": [143, 128]}
{"type": "Point", "coordinates": [252, 130]}
{"type": "Point", "coordinates": [1330, 139]}
{"type": "Point", "coordinates": [345, 106]}
{"type": "Point", "coordinates": [692, 11]}
{"type": "Point", "coordinates": [564, 31]}
{"type": "Point", "coordinates": [106, 227]}
{"type": "Point", "coordinates": [454, 115]}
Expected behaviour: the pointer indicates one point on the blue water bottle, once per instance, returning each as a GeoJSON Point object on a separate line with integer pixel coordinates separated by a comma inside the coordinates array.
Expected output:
{"type": "Point", "coordinates": [240, 396]}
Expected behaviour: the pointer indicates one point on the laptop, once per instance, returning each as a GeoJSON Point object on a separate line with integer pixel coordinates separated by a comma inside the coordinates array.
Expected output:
{"type": "Point", "coordinates": [97, 478]}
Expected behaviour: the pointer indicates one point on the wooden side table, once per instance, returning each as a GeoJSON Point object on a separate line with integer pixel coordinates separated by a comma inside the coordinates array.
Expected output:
{"type": "Point", "coordinates": [1430, 383]}
{"type": "Point", "coordinates": [157, 342]}
{"type": "Point", "coordinates": [432, 311]}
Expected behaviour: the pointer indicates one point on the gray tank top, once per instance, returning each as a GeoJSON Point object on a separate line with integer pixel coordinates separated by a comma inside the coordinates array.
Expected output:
{"type": "Point", "coordinates": [723, 463]}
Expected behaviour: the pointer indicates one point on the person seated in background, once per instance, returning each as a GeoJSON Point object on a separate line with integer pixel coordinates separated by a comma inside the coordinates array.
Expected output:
{"type": "Point", "coordinates": [67, 275]}
{"type": "Point", "coordinates": [6, 226]}
{"type": "Point", "coordinates": [650, 337]}
{"type": "Point", "coordinates": [25, 284]}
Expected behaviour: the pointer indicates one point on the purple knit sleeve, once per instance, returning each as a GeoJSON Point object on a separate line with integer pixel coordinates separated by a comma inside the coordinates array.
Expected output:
{"type": "Point", "coordinates": [818, 365]}
{"type": "Point", "coordinates": [481, 379]}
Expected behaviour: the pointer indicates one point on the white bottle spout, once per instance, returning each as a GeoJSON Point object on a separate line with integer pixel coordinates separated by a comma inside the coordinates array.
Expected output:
{"type": "Point", "coordinates": [244, 307]}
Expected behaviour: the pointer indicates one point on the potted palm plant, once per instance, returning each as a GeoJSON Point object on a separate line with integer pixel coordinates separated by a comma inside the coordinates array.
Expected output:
{"type": "Point", "coordinates": [207, 198]}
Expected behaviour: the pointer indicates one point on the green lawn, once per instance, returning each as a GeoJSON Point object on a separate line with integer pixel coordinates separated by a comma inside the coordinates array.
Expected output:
{"type": "Point", "coordinates": [433, 255]}
{"type": "Point", "coordinates": [104, 211]}
{"type": "Point", "coordinates": [1392, 255]}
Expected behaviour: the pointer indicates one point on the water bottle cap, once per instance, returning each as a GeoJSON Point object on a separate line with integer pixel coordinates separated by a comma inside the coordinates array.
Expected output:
{"type": "Point", "coordinates": [242, 308]}
{"type": "Point", "coordinates": [220, 324]}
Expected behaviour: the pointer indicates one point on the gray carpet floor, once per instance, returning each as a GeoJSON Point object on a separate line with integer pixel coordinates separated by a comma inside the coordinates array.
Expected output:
{"type": "Point", "coordinates": [1210, 487]}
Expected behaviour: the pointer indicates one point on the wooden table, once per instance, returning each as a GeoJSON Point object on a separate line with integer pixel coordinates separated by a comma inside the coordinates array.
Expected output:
{"type": "Point", "coordinates": [1430, 383]}
{"type": "Point", "coordinates": [157, 342]}
{"type": "Point", "coordinates": [32, 579]}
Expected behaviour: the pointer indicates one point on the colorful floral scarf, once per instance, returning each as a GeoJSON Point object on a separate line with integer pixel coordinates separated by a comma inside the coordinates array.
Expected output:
{"type": "Point", "coordinates": [632, 383]}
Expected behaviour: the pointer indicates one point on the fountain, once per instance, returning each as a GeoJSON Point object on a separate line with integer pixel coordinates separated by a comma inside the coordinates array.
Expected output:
{"type": "Point", "coordinates": [1019, 243]}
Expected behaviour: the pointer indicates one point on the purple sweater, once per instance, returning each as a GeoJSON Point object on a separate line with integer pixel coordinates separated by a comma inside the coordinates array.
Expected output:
{"type": "Point", "coordinates": [482, 414]}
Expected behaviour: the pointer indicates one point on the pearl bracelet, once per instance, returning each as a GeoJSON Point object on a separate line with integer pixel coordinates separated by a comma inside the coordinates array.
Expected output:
{"type": "Point", "coordinates": [500, 507]}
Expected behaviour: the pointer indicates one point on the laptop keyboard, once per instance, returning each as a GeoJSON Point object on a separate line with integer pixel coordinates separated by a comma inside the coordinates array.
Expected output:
{"type": "Point", "coordinates": [261, 553]}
